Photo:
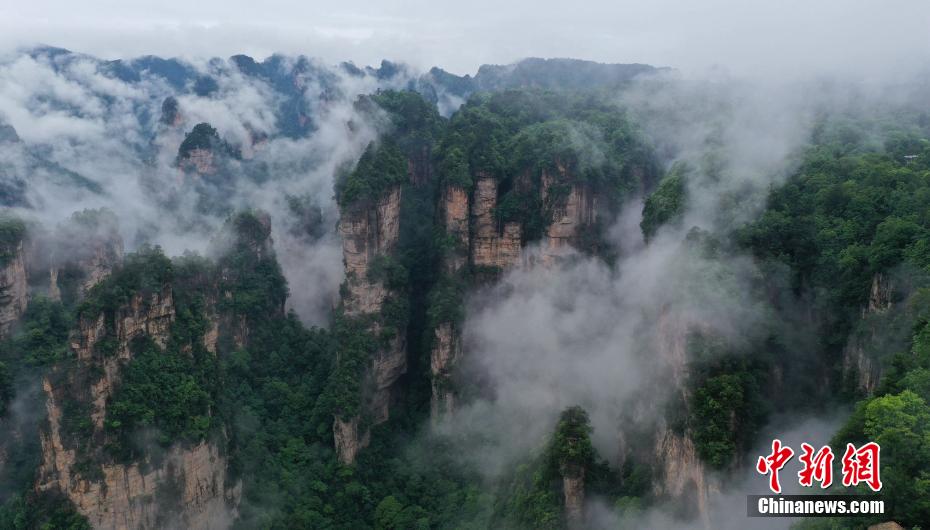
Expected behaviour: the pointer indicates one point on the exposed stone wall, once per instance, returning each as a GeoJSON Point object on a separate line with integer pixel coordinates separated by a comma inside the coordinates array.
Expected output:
{"type": "Point", "coordinates": [13, 290]}
{"type": "Point", "coordinates": [858, 364]}
{"type": "Point", "coordinates": [455, 218]}
{"type": "Point", "coordinates": [473, 225]}
{"type": "Point", "coordinates": [186, 488]}
{"type": "Point", "coordinates": [349, 438]}
{"type": "Point", "coordinates": [446, 351]}
{"type": "Point", "coordinates": [370, 232]}
{"type": "Point", "coordinates": [571, 215]}
{"type": "Point", "coordinates": [573, 492]}
{"type": "Point", "coordinates": [491, 247]}
{"type": "Point", "coordinates": [682, 475]}
{"type": "Point", "coordinates": [150, 315]}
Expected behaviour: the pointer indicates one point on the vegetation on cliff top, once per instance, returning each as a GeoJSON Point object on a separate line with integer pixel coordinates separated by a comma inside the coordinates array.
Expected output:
{"type": "Point", "coordinates": [666, 204]}
{"type": "Point", "coordinates": [204, 136]}
{"type": "Point", "coordinates": [12, 232]}
{"type": "Point", "coordinates": [516, 136]}
{"type": "Point", "coordinates": [409, 126]}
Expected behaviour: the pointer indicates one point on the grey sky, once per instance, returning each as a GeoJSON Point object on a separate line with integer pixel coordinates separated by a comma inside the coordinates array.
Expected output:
{"type": "Point", "coordinates": [877, 37]}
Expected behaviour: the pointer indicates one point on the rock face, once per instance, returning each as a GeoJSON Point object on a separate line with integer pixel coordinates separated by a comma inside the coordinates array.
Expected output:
{"type": "Point", "coordinates": [858, 365]}
{"type": "Point", "coordinates": [447, 345]}
{"type": "Point", "coordinates": [104, 253]}
{"type": "Point", "coordinates": [478, 239]}
{"type": "Point", "coordinates": [151, 316]}
{"type": "Point", "coordinates": [447, 349]}
{"type": "Point", "coordinates": [370, 233]}
{"type": "Point", "coordinates": [570, 217]}
{"type": "Point", "coordinates": [200, 161]}
{"type": "Point", "coordinates": [680, 475]}
{"type": "Point", "coordinates": [13, 289]}
{"type": "Point", "coordinates": [349, 438]}
{"type": "Point", "coordinates": [492, 247]}
{"type": "Point", "coordinates": [573, 492]}
{"type": "Point", "coordinates": [455, 217]}
{"type": "Point", "coordinates": [367, 234]}
{"type": "Point", "coordinates": [186, 488]}
{"type": "Point", "coordinates": [190, 480]}
{"type": "Point", "coordinates": [88, 247]}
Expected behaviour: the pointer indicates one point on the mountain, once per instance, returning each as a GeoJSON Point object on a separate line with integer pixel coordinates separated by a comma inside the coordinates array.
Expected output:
{"type": "Point", "coordinates": [556, 294]}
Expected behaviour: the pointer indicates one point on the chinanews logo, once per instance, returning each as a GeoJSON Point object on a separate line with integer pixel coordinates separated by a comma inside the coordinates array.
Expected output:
{"type": "Point", "coordinates": [859, 465]}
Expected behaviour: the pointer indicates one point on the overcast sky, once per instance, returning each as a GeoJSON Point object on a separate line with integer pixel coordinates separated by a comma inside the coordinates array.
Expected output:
{"type": "Point", "coordinates": [745, 37]}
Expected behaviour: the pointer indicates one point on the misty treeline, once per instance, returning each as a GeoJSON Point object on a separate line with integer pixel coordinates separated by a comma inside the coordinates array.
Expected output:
{"type": "Point", "coordinates": [839, 245]}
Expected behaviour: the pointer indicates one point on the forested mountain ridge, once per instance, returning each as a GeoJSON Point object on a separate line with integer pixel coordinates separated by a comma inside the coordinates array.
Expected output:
{"type": "Point", "coordinates": [185, 391]}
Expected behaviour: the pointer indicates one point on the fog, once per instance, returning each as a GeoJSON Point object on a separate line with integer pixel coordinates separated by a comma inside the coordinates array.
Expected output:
{"type": "Point", "coordinates": [750, 81]}
{"type": "Point", "coordinates": [755, 38]}
{"type": "Point", "coordinates": [88, 140]}
{"type": "Point", "coordinates": [612, 338]}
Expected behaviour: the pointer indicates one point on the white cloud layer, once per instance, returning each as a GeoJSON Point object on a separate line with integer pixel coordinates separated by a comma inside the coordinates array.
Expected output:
{"type": "Point", "coordinates": [786, 38]}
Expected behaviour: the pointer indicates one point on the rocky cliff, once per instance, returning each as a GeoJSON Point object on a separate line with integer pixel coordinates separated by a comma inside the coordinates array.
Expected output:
{"type": "Point", "coordinates": [493, 244]}
{"type": "Point", "coordinates": [447, 345]}
{"type": "Point", "coordinates": [446, 351]}
{"type": "Point", "coordinates": [187, 487]}
{"type": "Point", "coordinates": [681, 475]}
{"type": "Point", "coordinates": [85, 250]}
{"type": "Point", "coordinates": [480, 242]}
{"type": "Point", "coordinates": [370, 234]}
{"type": "Point", "coordinates": [573, 493]}
{"type": "Point", "coordinates": [13, 288]}
{"type": "Point", "coordinates": [455, 216]}
{"type": "Point", "coordinates": [571, 215]}
{"type": "Point", "coordinates": [859, 364]}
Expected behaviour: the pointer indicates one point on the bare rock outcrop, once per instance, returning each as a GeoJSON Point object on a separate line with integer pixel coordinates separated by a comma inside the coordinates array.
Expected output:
{"type": "Point", "coordinates": [573, 492]}
{"type": "Point", "coordinates": [369, 233]}
{"type": "Point", "coordinates": [185, 488]}
{"type": "Point", "coordinates": [858, 365]}
{"type": "Point", "coordinates": [491, 245]}
{"type": "Point", "coordinates": [446, 351]}
{"type": "Point", "coordinates": [103, 255]}
{"type": "Point", "coordinates": [87, 249]}
{"type": "Point", "coordinates": [350, 438]}
{"type": "Point", "coordinates": [682, 475]}
{"type": "Point", "coordinates": [149, 315]}
{"type": "Point", "coordinates": [192, 480]}
{"type": "Point", "coordinates": [455, 218]}
{"type": "Point", "coordinates": [13, 289]}
{"type": "Point", "coordinates": [474, 225]}
{"type": "Point", "coordinates": [571, 215]}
